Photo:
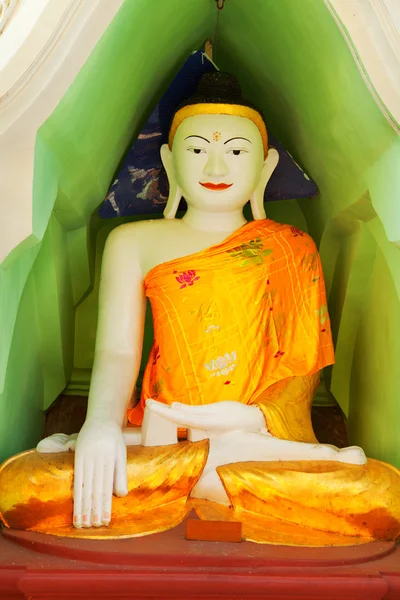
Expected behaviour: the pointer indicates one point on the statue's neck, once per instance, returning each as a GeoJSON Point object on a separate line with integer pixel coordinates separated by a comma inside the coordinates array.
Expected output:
{"type": "Point", "coordinates": [207, 221]}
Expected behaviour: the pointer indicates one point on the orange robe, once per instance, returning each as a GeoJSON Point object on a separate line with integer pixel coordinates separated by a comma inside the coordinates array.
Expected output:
{"type": "Point", "coordinates": [236, 318]}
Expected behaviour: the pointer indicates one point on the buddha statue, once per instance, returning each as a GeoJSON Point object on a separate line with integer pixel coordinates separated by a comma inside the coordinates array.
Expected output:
{"type": "Point", "coordinates": [241, 333]}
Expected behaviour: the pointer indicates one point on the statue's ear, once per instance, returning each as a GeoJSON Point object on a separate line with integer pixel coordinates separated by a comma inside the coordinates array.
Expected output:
{"type": "Point", "coordinates": [175, 193]}
{"type": "Point", "coordinates": [257, 199]}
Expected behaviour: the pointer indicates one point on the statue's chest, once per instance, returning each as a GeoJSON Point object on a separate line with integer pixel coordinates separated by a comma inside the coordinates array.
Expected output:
{"type": "Point", "coordinates": [166, 246]}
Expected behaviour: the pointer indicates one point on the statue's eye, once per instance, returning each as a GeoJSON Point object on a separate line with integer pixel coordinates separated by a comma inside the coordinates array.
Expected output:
{"type": "Point", "coordinates": [237, 151]}
{"type": "Point", "coordinates": [197, 150]}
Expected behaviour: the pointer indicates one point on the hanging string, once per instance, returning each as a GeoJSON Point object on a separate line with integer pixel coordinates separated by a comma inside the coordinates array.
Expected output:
{"type": "Point", "coordinates": [220, 6]}
{"type": "Point", "coordinates": [211, 42]}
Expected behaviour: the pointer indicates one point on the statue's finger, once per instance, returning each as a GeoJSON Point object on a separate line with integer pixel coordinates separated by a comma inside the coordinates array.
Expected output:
{"type": "Point", "coordinates": [120, 474]}
{"type": "Point", "coordinates": [188, 419]}
{"type": "Point", "coordinates": [97, 496]}
{"type": "Point", "coordinates": [164, 410]}
{"type": "Point", "coordinates": [87, 491]}
{"type": "Point", "coordinates": [108, 484]}
{"type": "Point", "coordinates": [78, 482]}
{"type": "Point", "coordinates": [177, 405]}
{"type": "Point", "coordinates": [158, 407]}
{"type": "Point", "coordinates": [187, 409]}
{"type": "Point", "coordinates": [173, 415]}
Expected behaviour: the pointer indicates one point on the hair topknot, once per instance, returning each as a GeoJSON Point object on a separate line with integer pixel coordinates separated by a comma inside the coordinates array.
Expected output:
{"type": "Point", "coordinates": [218, 93]}
{"type": "Point", "coordinates": [218, 87]}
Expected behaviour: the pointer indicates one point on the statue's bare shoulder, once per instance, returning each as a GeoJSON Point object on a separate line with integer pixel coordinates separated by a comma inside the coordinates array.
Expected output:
{"type": "Point", "coordinates": [145, 242]}
{"type": "Point", "coordinates": [142, 234]}
{"type": "Point", "coordinates": [138, 231]}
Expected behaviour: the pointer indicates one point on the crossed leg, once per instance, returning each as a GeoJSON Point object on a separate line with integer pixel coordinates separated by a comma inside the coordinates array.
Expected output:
{"type": "Point", "coordinates": [240, 446]}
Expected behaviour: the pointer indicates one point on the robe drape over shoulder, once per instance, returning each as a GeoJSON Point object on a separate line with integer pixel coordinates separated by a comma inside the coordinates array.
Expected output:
{"type": "Point", "coordinates": [236, 318]}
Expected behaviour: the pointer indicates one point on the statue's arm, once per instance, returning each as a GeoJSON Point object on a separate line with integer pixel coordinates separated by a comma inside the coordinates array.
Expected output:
{"type": "Point", "coordinates": [284, 410]}
{"type": "Point", "coordinates": [100, 456]}
{"type": "Point", "coordinates": [119, 336]}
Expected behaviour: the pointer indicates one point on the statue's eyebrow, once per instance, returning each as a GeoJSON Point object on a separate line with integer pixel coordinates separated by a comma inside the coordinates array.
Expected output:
{"type": "Point", "coordinates": [198, 136]}
{"type": "Point", "coordinates": [237, 138]}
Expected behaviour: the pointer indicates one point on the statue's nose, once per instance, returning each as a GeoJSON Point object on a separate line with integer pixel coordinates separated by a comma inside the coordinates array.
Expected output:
{"type": "Point", "coordinates": [216, 165]}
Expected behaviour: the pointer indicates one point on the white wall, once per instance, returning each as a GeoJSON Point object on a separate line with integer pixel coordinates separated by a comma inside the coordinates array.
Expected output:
{"type": "Point", "coordinates": [42, 49]}
{"type": "Point", "coordinates": [393, 8]}
{"type": "Point", "coordinates": [372, 31]}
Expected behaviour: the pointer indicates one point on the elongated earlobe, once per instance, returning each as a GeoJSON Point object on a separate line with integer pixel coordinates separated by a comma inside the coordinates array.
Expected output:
{"type": "Point", "coordinates": [175, 193]}
{"type": "Point", "coordinates": [257, 199]}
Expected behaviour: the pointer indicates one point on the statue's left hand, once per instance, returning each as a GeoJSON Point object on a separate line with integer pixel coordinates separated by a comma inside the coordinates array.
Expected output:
{"type": "Point", "coordinates": [219, 417]}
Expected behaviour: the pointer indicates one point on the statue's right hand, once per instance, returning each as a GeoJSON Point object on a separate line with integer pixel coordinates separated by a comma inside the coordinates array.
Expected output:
{"type": "Point", "coordinates": [100, 469]}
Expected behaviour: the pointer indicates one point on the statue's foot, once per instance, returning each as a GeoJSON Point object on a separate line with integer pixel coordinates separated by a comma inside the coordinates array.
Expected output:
{"type": "Point", "coordinates": [352, 455]}
{"type": "Point", "coordinates": [58, 442]}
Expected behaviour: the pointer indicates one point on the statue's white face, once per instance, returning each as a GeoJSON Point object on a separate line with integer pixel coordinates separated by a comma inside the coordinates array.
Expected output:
{"type": "Point", "coordinates": [218, 161]}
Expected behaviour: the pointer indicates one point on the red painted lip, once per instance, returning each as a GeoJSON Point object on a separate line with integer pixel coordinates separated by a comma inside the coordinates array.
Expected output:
{"type": "Point", "coordinates": [216, 186]}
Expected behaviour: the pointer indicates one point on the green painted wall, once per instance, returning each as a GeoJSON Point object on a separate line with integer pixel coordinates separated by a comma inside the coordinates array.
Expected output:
{"type": "Point", "coordinates": [297, 67]}
{"type": "Point", "coordinates": [78, 150]}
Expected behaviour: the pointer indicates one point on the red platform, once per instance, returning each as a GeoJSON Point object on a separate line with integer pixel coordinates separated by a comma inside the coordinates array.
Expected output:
{"type": "Point", "coordinates": [166, 566]}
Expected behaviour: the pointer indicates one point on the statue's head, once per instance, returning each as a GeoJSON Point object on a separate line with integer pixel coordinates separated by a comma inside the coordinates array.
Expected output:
{"type": "Point", "coordinates": [217, 157]}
